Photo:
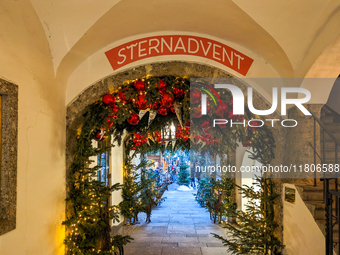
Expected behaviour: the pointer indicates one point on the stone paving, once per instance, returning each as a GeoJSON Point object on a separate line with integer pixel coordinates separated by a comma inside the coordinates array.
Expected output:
{"type": "Point", "coordinates": [178, 226]}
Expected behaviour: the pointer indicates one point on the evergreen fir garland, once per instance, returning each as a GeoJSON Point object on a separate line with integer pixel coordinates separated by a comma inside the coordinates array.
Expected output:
{"type": "Point", "coordinates": [254, 232]}
{"type": "Point", "coordinates": [217, 197]}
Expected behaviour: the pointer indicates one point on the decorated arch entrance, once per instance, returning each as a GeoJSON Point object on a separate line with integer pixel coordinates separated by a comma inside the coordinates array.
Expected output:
{"type": "Point", "coordinates": [135, 114]}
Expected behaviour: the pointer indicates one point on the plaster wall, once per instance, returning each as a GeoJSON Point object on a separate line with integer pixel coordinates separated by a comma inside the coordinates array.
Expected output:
{"type": "Point", "coordinates": [246, 178]}
{"type": "Point", "coordinates": [301, 233]}
{"type": "Point", "coordinates": [117, 175]}
{"type": "Point", "coordinates": [41, 169]}
{"type": "Point", "coordinates": [25, 61]}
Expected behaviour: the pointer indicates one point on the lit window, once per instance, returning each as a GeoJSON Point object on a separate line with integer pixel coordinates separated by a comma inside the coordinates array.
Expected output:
{"type": "Point", "coordinates": [103, 160]}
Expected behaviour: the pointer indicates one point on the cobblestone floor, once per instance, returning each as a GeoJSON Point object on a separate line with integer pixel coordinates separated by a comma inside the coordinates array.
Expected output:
{"type": "Point", "coordinates": [178, 226]}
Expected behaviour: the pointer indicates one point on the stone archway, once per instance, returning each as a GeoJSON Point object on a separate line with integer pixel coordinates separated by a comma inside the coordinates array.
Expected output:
{"type": "Point", "coordinates": [76, 109]}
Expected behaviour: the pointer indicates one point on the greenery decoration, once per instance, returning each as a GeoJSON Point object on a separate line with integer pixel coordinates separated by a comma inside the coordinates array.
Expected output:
{"type": "Point", "coordinates": [152, 192]}
{"type": "Point", "coordinates": [183, 175]}
{"type": "Point", "coordinates": [131, 205]}
{"type": "Point", "coordinates": [89, 211]}
{"type": "Point", "coordinates": [217, 197]}
{"type": "Point", "coordinates": [254, 232]}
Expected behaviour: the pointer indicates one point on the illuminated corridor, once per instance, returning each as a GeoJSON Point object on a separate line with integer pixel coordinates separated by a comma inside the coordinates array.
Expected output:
{"type": "Point", "coordinates": [178, 226]}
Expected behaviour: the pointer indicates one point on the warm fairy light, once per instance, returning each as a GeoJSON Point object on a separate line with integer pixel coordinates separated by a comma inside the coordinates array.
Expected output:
{"type": "Point", "coordinates": [172, 127]}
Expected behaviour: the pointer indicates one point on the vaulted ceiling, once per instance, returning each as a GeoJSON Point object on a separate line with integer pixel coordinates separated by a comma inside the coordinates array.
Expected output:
{"type": "Point", "coordinates": [49, 39]}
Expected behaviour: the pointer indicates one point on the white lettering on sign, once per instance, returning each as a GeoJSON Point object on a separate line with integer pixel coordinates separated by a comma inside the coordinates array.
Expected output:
{"type": "Point", "coordinates": [179, 45]}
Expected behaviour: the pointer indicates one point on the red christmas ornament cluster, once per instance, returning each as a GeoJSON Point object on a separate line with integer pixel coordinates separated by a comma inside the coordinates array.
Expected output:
{"type": "Point", "coordinates": [155, 106]}
{"type": "Point", "coordinates": [178, 92]}
{"type": "Point", "coordinates": [141, 102]}
{"type": "Point", "coordinates": [162, 111]}
{"type": "Point", "coordinates": [161, 86]}
{"type": "Point", "coordinates": [139, 139]}
{"type": "Point", "coordinates": [167, 100]}
{"type": "Point", "coordinates": [205, 125]}
{"type": "Point", "coordinates": [207, 138]}
{"type": "Point", "coordinates": [158, 137]}
{"type": "Point", "coordinates": [196, 112]}
{"type": "Point", "coordinates": [134, 119]}
{"type": "Point", "coordinates": [221, 109]}
{"type": "Point", "coordinates": [139, 85]}
{"type": "Point", "coordinates": [183, 133]}
{"type": "Point", "coordinates": [122, 94]}
{"type": "Point", "coordinates": [195, 96]}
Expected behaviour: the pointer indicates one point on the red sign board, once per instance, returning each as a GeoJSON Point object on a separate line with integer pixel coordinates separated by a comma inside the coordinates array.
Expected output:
{"type": "Point", "coordinates": [178, 45]}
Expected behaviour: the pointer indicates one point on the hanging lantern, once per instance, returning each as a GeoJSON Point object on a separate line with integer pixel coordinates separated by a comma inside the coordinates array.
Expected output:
{"type": "Point", "coordinates": [169, 133]}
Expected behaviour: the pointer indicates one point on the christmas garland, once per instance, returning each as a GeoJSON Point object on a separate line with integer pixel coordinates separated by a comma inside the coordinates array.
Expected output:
{"type": "Point", "coordinates": [141, 109]}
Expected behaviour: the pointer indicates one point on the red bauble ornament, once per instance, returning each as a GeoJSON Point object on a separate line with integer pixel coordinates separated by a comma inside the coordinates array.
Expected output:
{"type": "Point", "coordinates": [141, 102]}
{"type": "Point", "coordinates": [187, 125]}
{"type": "Point", "coordinates": [155, 106]}
{"type": "Point", "coordinates": [162, 110]}
{"type": "Point", "coordinates": [172, 109]}
{"type": "Point", "coordinates": [195, 96]}
{"type": "Point", "coordinates": [167, 100]}
{"type": "Point", "coordinates": [221, 109]}
{"type": "Point", "coordinates": [122, 95]}
{"type": "Point", "coordinates": [115, 108]}
{"type": "Point", "coordinates": [140, 85]}
{"type": "Point", "coordinates": [134, 119]}
{"type": "Point", "coordinates": [161, 86]}
{"type": "Point", "coordinates": [178, 92]}
{"type": "Point", "coordinates": [109, 99]}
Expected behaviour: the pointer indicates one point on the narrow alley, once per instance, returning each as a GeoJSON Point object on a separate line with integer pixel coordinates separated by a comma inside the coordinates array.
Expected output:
{"type": "Point", "coordinates": [178, 226]}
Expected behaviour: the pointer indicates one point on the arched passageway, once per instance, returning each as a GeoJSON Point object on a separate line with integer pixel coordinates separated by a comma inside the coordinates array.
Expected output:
{"type": "Point", "coordinates": [180, 220]}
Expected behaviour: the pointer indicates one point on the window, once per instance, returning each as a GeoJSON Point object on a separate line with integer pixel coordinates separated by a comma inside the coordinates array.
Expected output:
{"type": "Point", "coordinates": [104, 164]}
{"type": "Point", "coordinates": [8, 155]}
